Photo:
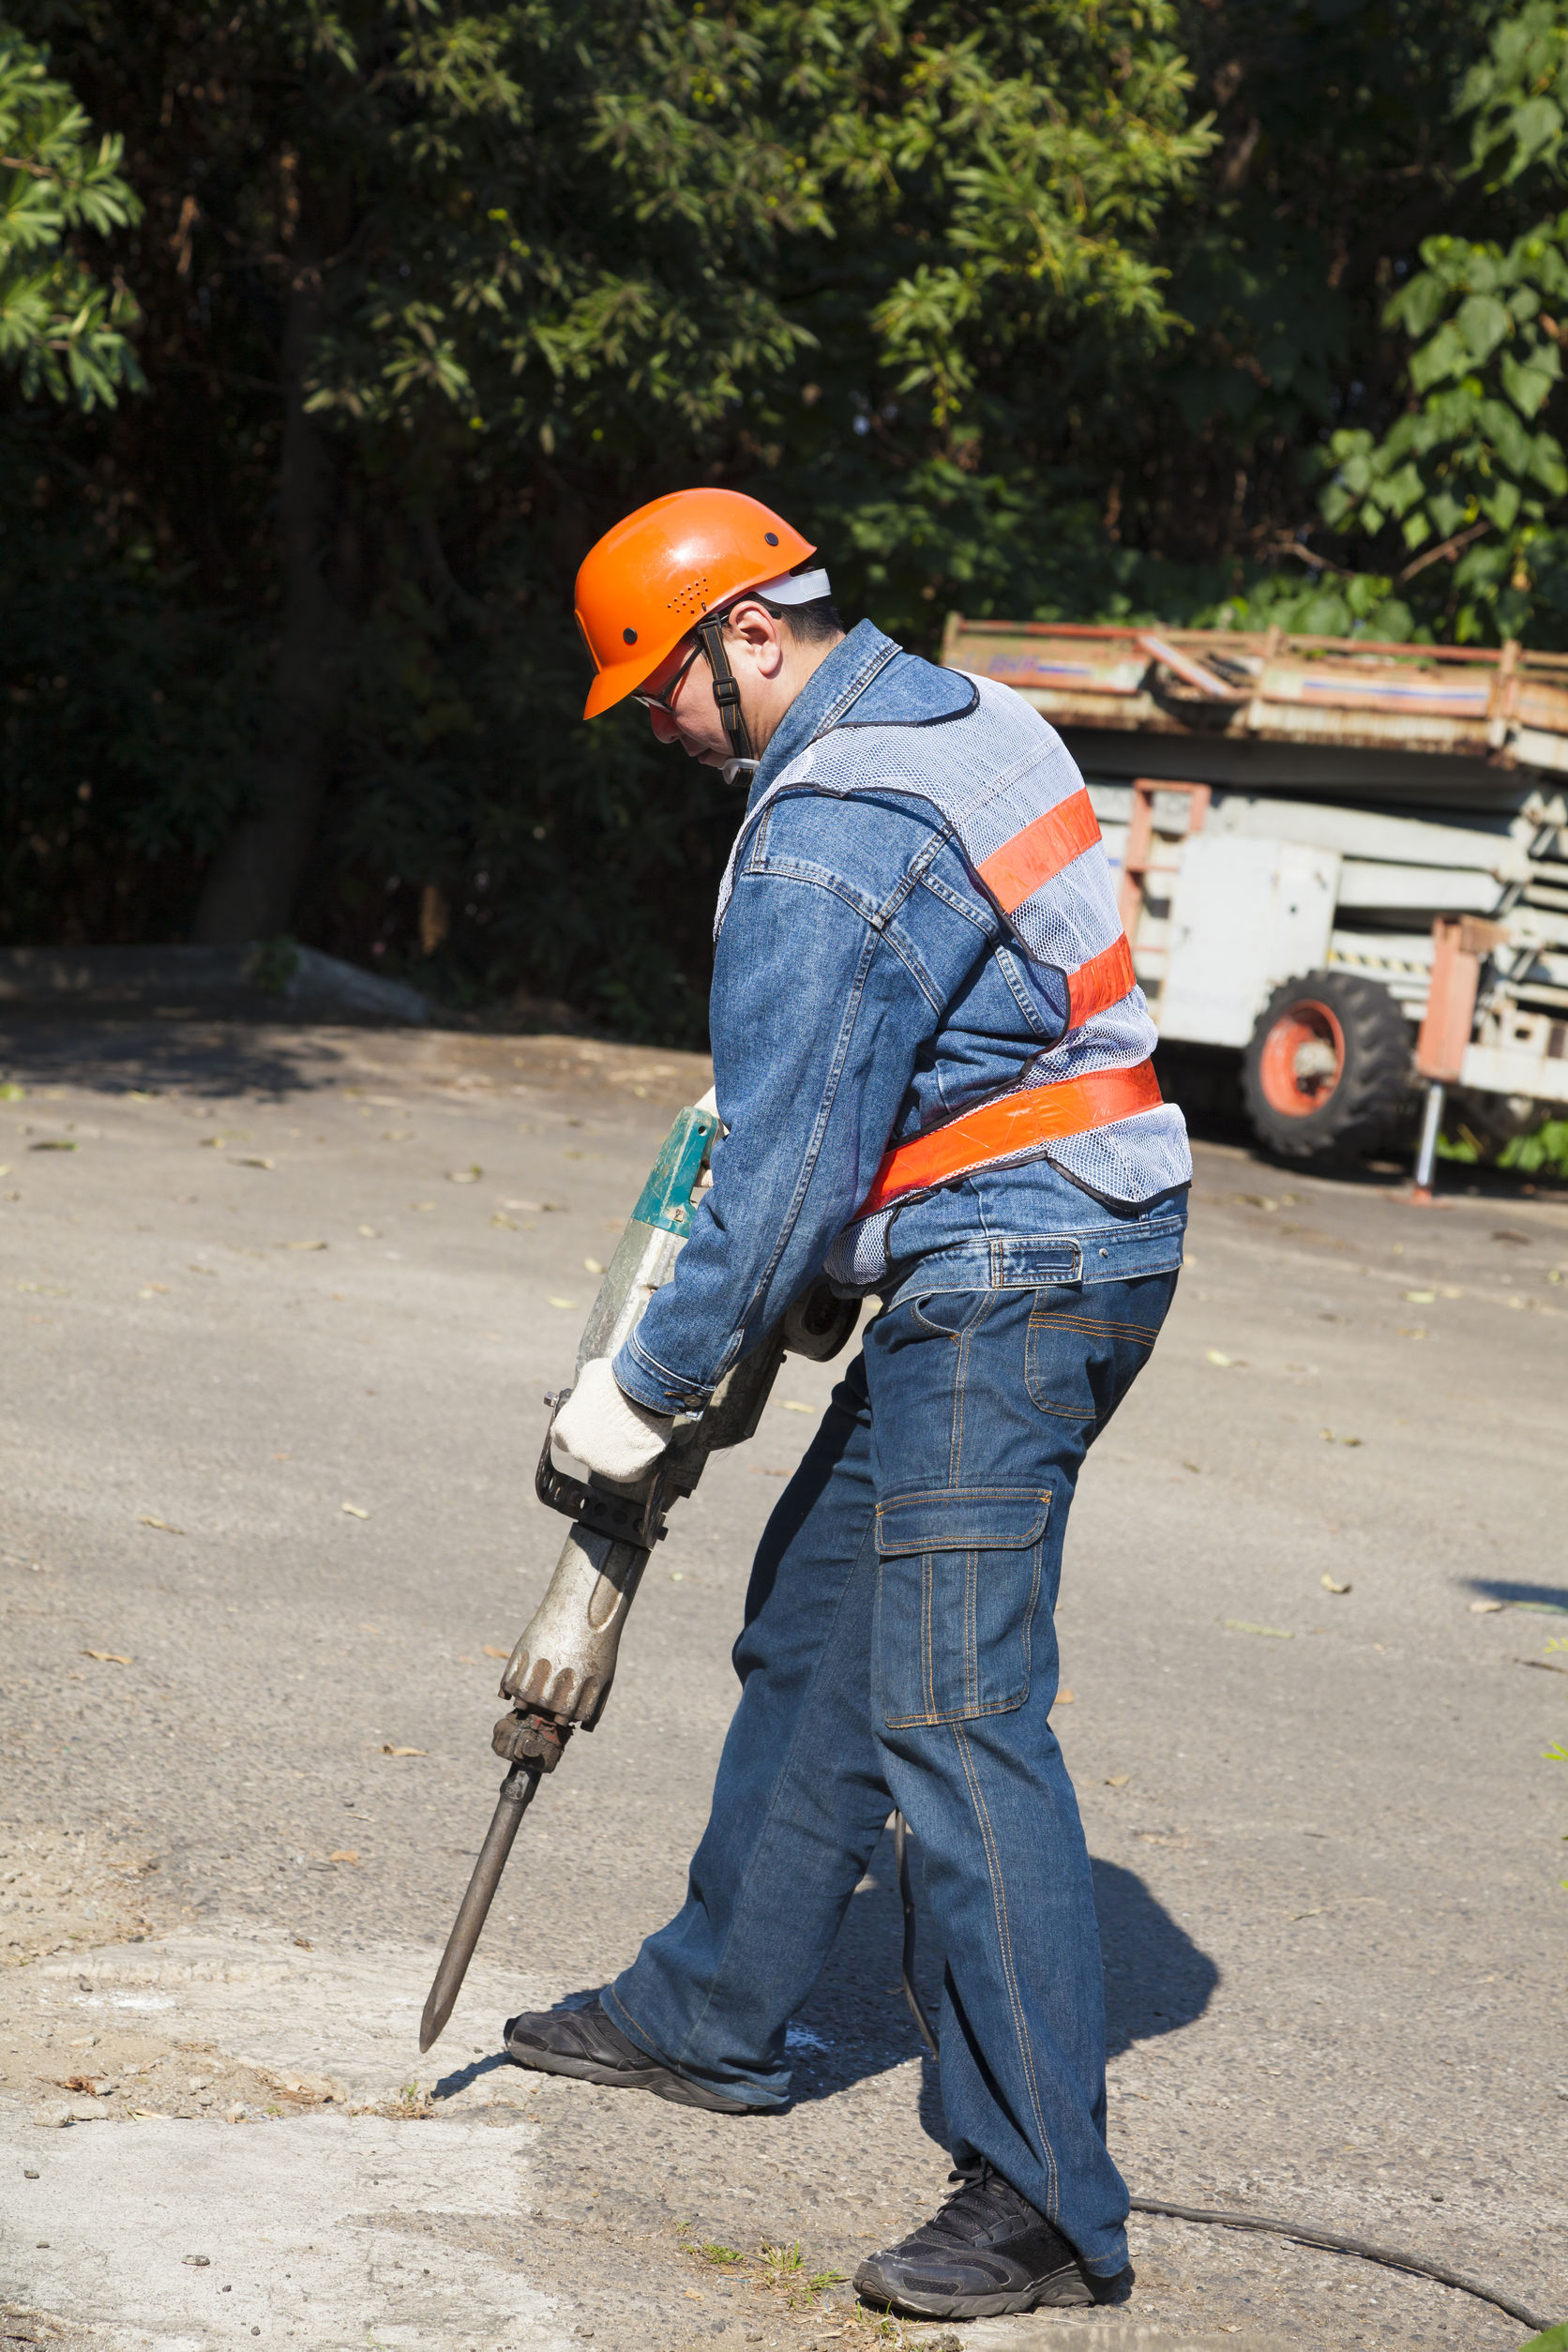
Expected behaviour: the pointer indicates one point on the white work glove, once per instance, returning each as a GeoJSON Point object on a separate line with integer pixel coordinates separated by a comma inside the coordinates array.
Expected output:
{"type": "Point", "coordinates": [600, 1425]}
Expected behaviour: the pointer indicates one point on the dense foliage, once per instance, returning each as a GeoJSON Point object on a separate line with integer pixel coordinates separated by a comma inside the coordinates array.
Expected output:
{"type": "Point", "coordinates": [1062, 307]}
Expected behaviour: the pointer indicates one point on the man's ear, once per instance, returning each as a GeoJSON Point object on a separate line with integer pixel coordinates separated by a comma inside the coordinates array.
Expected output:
{"type": "Point", "coordinates": [757, 628]}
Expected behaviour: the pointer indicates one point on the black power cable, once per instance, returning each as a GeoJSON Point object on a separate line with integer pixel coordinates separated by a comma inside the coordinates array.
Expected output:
{"type": "Point", "coordinates": [1307, 2236]}
{"type": "Point", "coordinates": [1303, 2233]}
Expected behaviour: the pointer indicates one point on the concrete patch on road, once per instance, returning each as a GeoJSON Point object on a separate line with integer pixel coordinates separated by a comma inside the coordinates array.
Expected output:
{"type": "Point", "coordinates": [303, 2181]}
{"type": "Point", "coordinates": [328, 2229]}
{"type": "Point", "coordinates": [343, 2022]}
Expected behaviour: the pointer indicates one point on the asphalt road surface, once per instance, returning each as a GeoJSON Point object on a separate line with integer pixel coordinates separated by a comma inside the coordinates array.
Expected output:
{"type": "Point", "coordinates": [278, 1308]}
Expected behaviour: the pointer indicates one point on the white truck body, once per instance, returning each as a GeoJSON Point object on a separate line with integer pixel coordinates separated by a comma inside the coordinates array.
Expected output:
{"type": "Point", "coordinates": [1277, 808]}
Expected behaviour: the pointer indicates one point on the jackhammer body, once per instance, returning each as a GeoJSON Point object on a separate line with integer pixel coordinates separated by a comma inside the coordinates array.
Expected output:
{"type": "Point", "coordinates": [559, 1676]}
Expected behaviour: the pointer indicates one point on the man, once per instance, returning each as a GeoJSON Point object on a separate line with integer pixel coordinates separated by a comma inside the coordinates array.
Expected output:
{"type": "Point", "coordinates": [931, 1059]}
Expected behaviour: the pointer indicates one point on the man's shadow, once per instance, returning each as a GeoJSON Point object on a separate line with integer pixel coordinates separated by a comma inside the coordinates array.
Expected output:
{"type": "Point", "coordinates": [857, 2024]}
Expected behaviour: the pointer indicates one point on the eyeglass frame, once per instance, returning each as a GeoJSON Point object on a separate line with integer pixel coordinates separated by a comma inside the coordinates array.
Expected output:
{"type": "Point", "coordinates": [665, 701]}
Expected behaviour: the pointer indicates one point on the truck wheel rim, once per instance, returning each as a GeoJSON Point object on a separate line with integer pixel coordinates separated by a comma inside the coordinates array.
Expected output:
{"type": "Point", "coordinates": [1294, 1068]}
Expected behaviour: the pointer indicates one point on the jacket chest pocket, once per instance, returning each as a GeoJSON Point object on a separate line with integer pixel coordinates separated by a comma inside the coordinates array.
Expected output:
{"type": "Point", "coordinates": [957, 1581]}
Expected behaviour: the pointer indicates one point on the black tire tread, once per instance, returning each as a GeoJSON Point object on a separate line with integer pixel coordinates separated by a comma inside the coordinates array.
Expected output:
{"type": "Point", "coordinates": [1364, 1106]}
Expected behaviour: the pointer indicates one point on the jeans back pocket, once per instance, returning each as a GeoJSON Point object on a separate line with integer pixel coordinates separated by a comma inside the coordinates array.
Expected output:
{"type": "Point", "coordinates": [957, 1581]}
{"type": "Point", "coordinates": [1088, 1342]}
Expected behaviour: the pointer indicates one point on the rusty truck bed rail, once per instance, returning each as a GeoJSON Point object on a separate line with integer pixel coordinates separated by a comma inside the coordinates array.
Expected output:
{"type": "Point", "coordinates": [1503, 705]}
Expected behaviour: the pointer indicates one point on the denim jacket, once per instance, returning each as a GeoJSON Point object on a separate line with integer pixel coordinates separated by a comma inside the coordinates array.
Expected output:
{"type": "Point", "coordinates": [867, 988]}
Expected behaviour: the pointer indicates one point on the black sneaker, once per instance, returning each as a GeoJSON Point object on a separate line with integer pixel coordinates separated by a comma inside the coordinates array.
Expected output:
{"type": "Point", "coordinates": [583, 2043]}
{"type": "Point", "coordinates": [986, 2252]}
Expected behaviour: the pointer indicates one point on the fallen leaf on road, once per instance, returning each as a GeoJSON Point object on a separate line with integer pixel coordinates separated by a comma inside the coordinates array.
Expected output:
{"type": "Point", "coordinates": [1329, 1586]}
{"type": "Point", "coordinates": [1486, 1608]}
{"type": "Point", "coordinates": [1418, 1298]}
{"type": "Point", "coordinates": [1274, 1632]}
{"type": "Point", "coordinates": [355, 1512]}
{"type": "Point", "coordinates": [592, 1265]}
{"type": "Point", "coordinates": [425, 1207]}
{"type": "Point", "coordinates": [1212, 1355]}
{"type": "Point", "coordinates": [499, 1216]}
{"type": "Point", "coordinates": [464, 1175]}
{"type": "Point", "coordinates": [344, 1853]}
{"type": "Point", "coordinates": [1064, 1698]}
{"type": "Point", "coordinates": [305, 1245]}
{"type": "Point", "coordinates": [153, 1290]}
{"type": "Point", "coordinates": [195, 1267]}
{"type": "Point", "coordinates": [491, 1652]}
{"type": "Point", "coordinates": [1117, 1780]}
{"type": "Point", "coordinates": [109, 1657]}
{"type": "Point", "coordinates": [390, 1751]}
{"type": "Point", "coordinates": [147, 2114]}
{"type": "Point", "coordinates": [165, 1526]}
{"type": "Point", "coordinates": [212, 1143]}
{"type": "Point", "coordinates": [53, 1143]}
{"type": "Point", "coordinates": [253, 1163]}
{"type": "Point", "coordinates": [793, 1405]}
{"type": "Point", "coordinates": [11, 1092]}
{"type": "Point", "coordinates": [566, 1303]}
{"type": "Point", "coordinates": [369, 1232]}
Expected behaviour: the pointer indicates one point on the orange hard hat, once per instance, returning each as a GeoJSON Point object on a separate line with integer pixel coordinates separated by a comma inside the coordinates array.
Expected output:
{"type": "Point", "coordinates": [653, 576]}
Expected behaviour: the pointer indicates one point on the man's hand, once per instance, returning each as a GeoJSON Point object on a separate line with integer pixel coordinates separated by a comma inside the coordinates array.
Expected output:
{"type": "Point", "coordinates": [600, 1425]}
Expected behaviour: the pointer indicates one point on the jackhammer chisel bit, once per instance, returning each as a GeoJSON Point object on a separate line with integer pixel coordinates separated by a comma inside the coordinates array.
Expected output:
{"type": "Point", "coordinates": [558, 1677]}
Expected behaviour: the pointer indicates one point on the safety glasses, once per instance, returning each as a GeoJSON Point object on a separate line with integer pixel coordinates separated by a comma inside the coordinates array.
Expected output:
{"type": "Point", "coordinates": [665, 700]}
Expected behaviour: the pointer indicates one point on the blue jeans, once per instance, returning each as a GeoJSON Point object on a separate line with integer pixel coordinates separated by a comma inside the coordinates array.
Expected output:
{"type": "Point", "coordinates": [900, 1650]}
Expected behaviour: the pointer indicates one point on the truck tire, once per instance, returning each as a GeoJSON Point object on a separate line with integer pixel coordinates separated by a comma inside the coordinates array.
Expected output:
{"type": "Point", "coordinates": [1328, 1067]}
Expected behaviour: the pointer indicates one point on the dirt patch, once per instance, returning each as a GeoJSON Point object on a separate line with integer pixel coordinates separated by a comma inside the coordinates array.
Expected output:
{"type": "Point", "coordinates": [59, 1888]}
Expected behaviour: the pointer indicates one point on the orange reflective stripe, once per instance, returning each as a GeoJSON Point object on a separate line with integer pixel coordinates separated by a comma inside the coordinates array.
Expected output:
{"type": "Point", "coordinates": [1104, 979]}
{"type": "Point", "coordinates": [1014, 1122]}
{"type": "Point", "coordinates": [1015, 871]}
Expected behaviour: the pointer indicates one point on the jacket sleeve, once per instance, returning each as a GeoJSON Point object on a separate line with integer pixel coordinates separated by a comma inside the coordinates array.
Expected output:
{"type": "Point", "coordinates": [818, 1019]}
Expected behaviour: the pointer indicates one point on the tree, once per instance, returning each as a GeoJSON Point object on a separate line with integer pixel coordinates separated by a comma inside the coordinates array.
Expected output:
{"type": "Point", "coordinates": [1472, 473]}
{"type": "Point", "coordinates": [1178, 308]}
{"type": "Point", "coordinates": [61, 330]}
{"type": "Point", "coordinates": [433, 292]}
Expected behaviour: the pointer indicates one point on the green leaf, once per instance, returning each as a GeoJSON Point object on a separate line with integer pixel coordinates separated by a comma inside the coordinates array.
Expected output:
{"type": "Point", "coordinates": [1401, 490]}
{"type": "Point", "coordinates": [1418, 306]}
{"type": "Point", "coordinates": [1502, 504]}
{"type": "Point", "coordinates": [1483, 322]}
{"type": "Point", "coordinates": [1447, 355]}
{"type": "Point", "coordinates": [1529, 385]}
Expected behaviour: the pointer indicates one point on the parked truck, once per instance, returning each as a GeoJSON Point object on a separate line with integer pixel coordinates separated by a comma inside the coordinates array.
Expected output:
{"type": "Point", "coordinates": [1347, 862]}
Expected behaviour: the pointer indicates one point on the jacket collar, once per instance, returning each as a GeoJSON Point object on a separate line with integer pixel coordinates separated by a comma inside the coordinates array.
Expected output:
{"type": "Point", "coordinates": [822, 700]}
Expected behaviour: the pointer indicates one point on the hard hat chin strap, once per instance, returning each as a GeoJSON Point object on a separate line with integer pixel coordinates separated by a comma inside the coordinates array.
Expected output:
{"type": "Point", "coordinates": [726, 692]}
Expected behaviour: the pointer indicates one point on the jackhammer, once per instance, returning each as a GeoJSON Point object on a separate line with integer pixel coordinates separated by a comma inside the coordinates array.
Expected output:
{"type": "Point", "coordinates": [559, 1676]}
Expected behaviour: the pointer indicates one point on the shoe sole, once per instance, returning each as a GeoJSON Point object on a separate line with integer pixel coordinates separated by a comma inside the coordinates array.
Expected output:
{"type": "Point", "coordinates": [657, 2079]}
{"type": "Point", "coordinates": [1064, 2290]}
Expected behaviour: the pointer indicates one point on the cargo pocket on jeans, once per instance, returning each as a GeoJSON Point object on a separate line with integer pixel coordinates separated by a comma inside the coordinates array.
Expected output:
{"type": "Point", "coordinates": [958, 1579]}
